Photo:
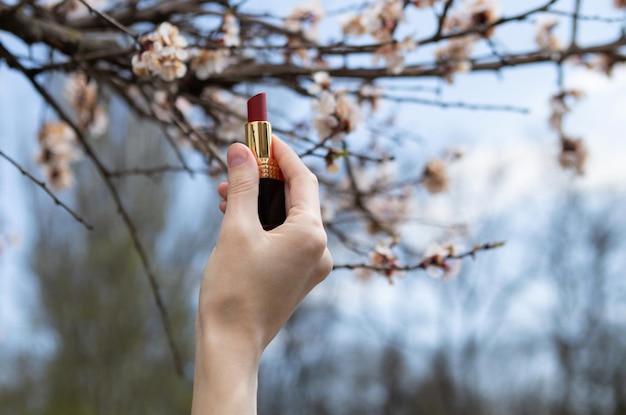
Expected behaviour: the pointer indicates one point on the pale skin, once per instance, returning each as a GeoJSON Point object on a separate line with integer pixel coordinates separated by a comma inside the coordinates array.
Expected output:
{"type": "Point", "coordinates": [254, 280]}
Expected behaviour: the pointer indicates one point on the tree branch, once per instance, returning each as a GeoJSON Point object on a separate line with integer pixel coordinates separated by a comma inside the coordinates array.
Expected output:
{"type": "Point", "coordinates": [45, 188]}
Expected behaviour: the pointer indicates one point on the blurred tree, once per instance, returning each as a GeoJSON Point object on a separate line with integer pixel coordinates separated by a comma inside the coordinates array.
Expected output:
{"type": "Point", "coordinates": [109, 355]}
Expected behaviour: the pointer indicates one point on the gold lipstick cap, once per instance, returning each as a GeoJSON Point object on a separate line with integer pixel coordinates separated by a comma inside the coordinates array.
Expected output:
{"type": "Point", "coordinates": [259, 140]}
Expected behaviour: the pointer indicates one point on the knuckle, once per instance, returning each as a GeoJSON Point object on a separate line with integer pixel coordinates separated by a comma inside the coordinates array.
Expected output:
{"type": "Point", "coordinates": [325, 266]}
{"type": "Point", "coordinates": [242, 185]}
{"type": "Point", "coordinates": [316, 240]}
{"type": "Point", "coordinates": [313, 179]}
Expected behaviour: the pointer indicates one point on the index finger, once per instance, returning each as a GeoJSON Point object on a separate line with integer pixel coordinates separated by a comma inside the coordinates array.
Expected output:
{"type": "Point", "coordinates": [302, 183]}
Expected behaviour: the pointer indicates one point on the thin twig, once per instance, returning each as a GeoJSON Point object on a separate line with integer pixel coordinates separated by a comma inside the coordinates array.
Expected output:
{"type": "Point", "coordinates": [442, 17]}
{"type": "Point", "coordinates": [152, 171]}
{"type": "Point", "coordinates": [458, 104]}
{"type": "Point", "coordinates": [112, 21]}
{"type": "Point", "coordinates": [435, 260]}
{"type": "Point", "coordinates": [575, 15]}
{"type": "Point", "coordinates": [45, 188]}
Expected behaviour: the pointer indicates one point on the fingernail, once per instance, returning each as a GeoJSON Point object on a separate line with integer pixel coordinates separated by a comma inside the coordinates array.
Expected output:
{"type": "Point", "coordinates": [237, 155]}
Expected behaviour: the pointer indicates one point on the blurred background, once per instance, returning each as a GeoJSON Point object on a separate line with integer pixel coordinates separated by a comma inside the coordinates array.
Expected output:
{"type": "Point", "coordinates": [537, 327]}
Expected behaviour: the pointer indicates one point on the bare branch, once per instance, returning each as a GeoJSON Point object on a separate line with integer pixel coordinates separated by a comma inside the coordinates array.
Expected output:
{"type": "Point", "coordinates": [45, 188]}
{"type": "Point", "coordinates": [424, 263]}
{"type": "Point", "coordinates": [112, 21]}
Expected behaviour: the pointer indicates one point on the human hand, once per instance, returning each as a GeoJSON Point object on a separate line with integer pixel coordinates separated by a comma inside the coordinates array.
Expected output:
{"type": "Point", "coordinates": [254, 279]}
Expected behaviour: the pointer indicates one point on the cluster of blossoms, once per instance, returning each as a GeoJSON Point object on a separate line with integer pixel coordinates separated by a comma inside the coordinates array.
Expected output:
{"type": "Point", "coordinates": [478, 15]}
{"type": "Point", "coordinates": [163, 53]}
{"type": "Point", "coordinates": [544, 36]}
{"type": "Point", "coordinates": [380, 21]}
{"type": "Point", "coordinates": [82, 95]}
{"type": "Point", "coordinates": [206, 62]}
{"type": "Point", "coordinates": [58, 149]}
{"type": "Point", "coordinates": [302, 22]}
{"type": "Point", "coordinates": [439, 261]}
{"type": "Point", "coordinates": [573, 154]}
{"type": "Point", "coordinates": [335, 115]}
{"type": "Point", "coordinates": [304, 19]}
{"type": "Point", "coordinates": [454, 56]}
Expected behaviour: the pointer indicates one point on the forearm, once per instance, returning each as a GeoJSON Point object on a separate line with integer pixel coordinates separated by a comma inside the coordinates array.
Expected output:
{"type": "Point", "coordinates": [225, 378]}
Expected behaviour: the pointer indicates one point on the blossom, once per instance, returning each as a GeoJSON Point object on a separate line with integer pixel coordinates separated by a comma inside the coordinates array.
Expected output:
{"type": "Point", "coordinates": [371, 94]}
{"type": "Point", "coordinates": [74, 8]}
{"type": "Point", "coordinates": [393, 53]}
{"type": "Point", "coordinates": [335, 114]}
{"type": "Point", "coordinates": [206, 62]}
{"type": "Point", "coordinates": [435, 176]}
{"type": "Point", "coordinates": [325, 120]}
{"type": "Point", "coordinates": [58, 149]}
{"type": "Point", "coordinates": [379, 20]}
{"type": "Point", "coordinates": [439, 262]}
{"type": "Point", "coordinates": [163, 53]}
{"type": "Point", "coordinates": [390, 210]}
{"type": "Point", "coordinates": [544, 35]}
{"type": "Point", "coordinates": [620, 4]}
{"type": "Point", "coordinates": [82, 95]}
{"type": "Point", "coordinates": [383, 257]}
{"type": "Point", "coordinates": [230, 120]}
{"type": "Point", "coordinates": [454, 57]}
{"type": "Point", "coordinates": [305, 18]}
{"type": "Point", "coordinates": [604, 63]}
{"type": "Point", "coordinates": [230, 27]}
{"type": "Point", "coordinates": [420, 4]}
{"type": "Point", "coordinates": [560, 107]}
{"type": "Point", "coordinates": [321, 81]}
{"type": "Point", "coordinates": [573, 154]}
{"type": "Point", "coordinates": [474, 16]}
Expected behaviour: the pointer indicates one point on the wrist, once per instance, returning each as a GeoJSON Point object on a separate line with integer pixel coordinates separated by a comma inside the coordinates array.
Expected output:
{"type": "Point", "coordinates": [226, 370]}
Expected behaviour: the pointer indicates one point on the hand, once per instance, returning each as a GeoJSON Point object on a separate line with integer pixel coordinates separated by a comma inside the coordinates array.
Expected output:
{"type": "Point", "coordinates": [254, 279]}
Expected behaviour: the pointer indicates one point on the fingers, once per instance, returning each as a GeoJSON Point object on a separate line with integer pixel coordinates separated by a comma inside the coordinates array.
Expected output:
{"type": "Point", "coordinates": [222, 190]}
{"type": "Point", "coordinates": [301, 182]}
{"type": "Point", "coordinates": [243, 187]}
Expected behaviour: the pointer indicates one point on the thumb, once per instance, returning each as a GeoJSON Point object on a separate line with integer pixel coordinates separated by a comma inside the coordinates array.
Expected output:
{"type": "Point", "coordinates": [243, 185]}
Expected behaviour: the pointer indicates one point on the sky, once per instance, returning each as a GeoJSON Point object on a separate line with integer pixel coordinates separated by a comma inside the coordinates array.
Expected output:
{"type": "Point", "coordinates": [520, 149]}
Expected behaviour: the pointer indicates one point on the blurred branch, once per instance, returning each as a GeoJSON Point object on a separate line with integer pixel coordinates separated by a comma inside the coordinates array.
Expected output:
{"type": "Point", "coordinates": [111, 21]}
{"type": "Point", "coordinates": [45, 188]}
{"type": "Point", "coordinates": [436, 260]}
{"type": "Point", "coordinates": [153, 171]}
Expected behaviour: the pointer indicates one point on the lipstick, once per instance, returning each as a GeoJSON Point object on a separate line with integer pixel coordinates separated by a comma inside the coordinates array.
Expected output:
{"type": "Point", "coordinates": [272, 212]}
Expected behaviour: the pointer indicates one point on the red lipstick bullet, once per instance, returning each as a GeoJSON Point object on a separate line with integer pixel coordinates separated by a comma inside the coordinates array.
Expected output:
{"type": "Point", "coordinates": [272, 211]}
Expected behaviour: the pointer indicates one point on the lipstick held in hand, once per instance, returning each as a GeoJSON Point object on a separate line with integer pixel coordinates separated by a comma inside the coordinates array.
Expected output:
{"type": "Point", "coordinates": [271, 184]}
